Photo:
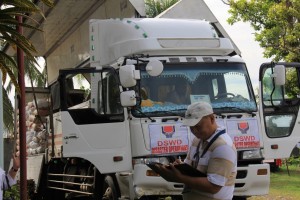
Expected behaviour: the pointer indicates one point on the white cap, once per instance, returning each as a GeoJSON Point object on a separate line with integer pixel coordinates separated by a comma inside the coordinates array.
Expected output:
{"type": "Point", "coordinates": [195, 112]}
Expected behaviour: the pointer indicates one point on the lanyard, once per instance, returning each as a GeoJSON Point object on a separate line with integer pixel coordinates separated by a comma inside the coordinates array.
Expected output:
{"type": "Point", "coordinates": [196, 155]}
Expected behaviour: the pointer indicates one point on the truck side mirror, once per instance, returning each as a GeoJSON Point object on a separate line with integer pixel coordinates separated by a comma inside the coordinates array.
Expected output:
{"type": "Point", "coordinates": [128, 98]}
{"type": "Point", "coordinates": [279, 74]}
{"type": "Point", "coordinates": [128, 75]}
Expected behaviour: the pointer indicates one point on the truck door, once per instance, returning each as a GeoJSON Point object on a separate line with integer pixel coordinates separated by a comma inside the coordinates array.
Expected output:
{"type": "Point", "coordinates": [94, 124]}
{"type": "Point", "coordinates": [279, 109]}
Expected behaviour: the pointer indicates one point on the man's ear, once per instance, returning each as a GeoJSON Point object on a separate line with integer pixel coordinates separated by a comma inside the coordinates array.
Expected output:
{"type": "Point", "coordinates": [212, 118]}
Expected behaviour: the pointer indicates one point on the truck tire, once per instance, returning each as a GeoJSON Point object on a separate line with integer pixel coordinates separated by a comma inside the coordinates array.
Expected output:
{"type": "Point", "coordinates": [109, 189]}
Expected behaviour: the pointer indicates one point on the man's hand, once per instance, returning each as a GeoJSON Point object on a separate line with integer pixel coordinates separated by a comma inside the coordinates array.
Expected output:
{"type": "Point", "coordinates": [171, 173]}
{"type": "Point", "coordinates": [16, 165]}
{"type": "Point", "coordinates": [16, 160]}
{"type": "Point", "coordinates": [177, 161]}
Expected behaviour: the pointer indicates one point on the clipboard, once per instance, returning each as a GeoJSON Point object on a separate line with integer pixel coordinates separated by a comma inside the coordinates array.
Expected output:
{"type": "Point", "coordinates": [183, 168]}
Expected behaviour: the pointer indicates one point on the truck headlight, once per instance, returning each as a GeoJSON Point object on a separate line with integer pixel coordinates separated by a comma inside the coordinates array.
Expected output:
{"type": "Point", "coordinates": [252, 154]}
{"type": "Point", "coordinates": [162, 160]}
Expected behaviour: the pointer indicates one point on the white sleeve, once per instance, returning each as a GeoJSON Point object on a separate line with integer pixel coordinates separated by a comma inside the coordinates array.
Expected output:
{"type": "Point", "coordinates": [11, 180]}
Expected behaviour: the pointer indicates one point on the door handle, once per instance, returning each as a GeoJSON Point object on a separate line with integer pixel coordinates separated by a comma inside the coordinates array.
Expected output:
{"type": "Point", "coordinates": [71, 137]}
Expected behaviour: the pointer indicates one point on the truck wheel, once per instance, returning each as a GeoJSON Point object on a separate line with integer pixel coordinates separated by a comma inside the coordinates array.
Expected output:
{"type": "Point", "coordinates": [109, 189]}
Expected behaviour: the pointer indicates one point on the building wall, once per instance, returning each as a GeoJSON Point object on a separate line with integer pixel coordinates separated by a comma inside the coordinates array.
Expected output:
{"type": "Point", "coordinates": [75, 49]}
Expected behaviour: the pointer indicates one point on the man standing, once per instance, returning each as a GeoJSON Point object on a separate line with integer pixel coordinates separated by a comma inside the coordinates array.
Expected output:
{"type": "Point", "coordinates": [211, 152]}
{"type": "Point", "coordinates": [10, 178]}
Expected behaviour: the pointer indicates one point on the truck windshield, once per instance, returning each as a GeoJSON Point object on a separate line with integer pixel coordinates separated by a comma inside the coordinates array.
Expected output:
{"type": "Point", "coordinates": [225, 85]}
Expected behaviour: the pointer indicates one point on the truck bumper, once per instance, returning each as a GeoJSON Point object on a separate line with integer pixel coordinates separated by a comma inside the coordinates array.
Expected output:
{"type": "Point", "coordinates": [146, 185]}
{"type": "Point", "coordinates": [252, 180]}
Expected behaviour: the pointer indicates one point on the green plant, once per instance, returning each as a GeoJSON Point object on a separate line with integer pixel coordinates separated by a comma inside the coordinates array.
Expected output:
{"type": "Point", "coordinates": [155, 7]}
{"type": "Point", "coordinates": [13, 192]}
{"type": "Point", "coordinates": [294, 161]}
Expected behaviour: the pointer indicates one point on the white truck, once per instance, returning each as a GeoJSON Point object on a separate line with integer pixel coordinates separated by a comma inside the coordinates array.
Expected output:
{"type": "Point", "coordinates": [112, 117]}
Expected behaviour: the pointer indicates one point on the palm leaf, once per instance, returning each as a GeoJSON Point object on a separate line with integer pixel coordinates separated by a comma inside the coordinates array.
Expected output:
{"type": "Point", "coordinates": [18, 3]}
{"type": "Point", "coordinates": [4, 76]}
{"type": "Point", "coordinates": [26, 6]}
{"type": "Point", "coordinates": [49, 3]}
{"type": "Point", "coordinates": [6, 64]}
{"type": "Point", "coordinates": [20, 10]}
{"type": "Point", "coordinates": [38, 78]}
{"type": "Point", "coordinates": [12, 77]}
{"type": "Point", "coordinates": [12, 22]}
{"type": "Point", "coordinates": [21, 42]}
{"type": "Point", "coordinates": [9, 35]}
{"type": "Point", "coordinates": [8, 112]}
{"type": "Point", "coordinates": [7, 60]}
{"type": "Point", "coordinates": [14, 38]}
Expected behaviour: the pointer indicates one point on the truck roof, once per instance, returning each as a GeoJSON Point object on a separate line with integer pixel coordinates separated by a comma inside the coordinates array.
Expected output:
{"type": "Point", "coordinates": [115, 38]}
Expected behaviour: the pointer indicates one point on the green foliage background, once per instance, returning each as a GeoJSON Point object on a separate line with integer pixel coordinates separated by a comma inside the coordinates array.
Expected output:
{"type": "Point", "coordinates": [276, 24]}
{"type": "Point", "coordinates": [155, 7]}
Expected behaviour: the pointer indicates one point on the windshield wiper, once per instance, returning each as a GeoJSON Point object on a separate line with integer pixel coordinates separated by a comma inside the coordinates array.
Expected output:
{"type": "Point", "coordinates": [144, 114]}
{"type": "Point", "coordinates": [172, 112]}
{"type": "Point", "coordinates": [237, 108]}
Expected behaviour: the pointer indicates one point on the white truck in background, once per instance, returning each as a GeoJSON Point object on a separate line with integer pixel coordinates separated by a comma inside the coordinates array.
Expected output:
{"type": "Point", "coordinates": [110, 118]}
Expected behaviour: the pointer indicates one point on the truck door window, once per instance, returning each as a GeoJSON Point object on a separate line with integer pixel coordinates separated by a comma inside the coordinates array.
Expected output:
{"type": "Point", "coordinates": [279, 125]}
{"type": "Point", "coordinates": [93, 97]}
{"type": "Point", "coordinates": [281, 95]}
{"type": "Point", "coordinates": [55, 96]}
{"type": "Point", "coordinates": [110, 94]}
{"type": "Point", "coordinates": [77, 89]}
{"type": "Point", "coordinates": [271, 93]}
{"type": "Point", "coordinates": [283, 99]}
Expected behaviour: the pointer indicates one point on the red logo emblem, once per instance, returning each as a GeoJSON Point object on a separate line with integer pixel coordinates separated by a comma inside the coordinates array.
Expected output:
{"type": "Point", "coordinates": [243, 127]}
{"type": "Point", "coordinates": [168, 131]}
